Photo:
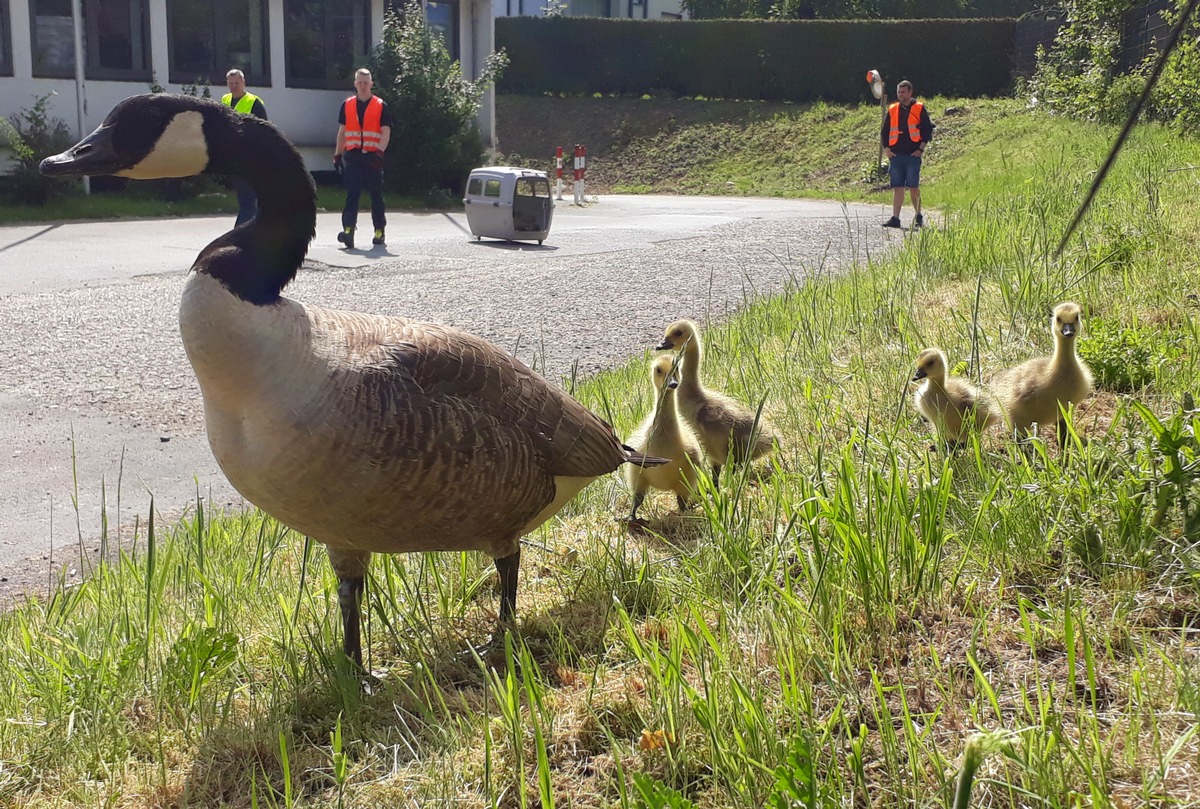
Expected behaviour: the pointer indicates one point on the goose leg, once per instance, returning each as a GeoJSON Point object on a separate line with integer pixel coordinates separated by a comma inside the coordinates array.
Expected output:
{"type": "Point", "coordinates": [682, 502]}
{"type": "Point", "coordinates": [508, 567]}
{"type": "Point", "coordinates": [638, 498]}
{"type": "Point", "coordinates": [351, 570]}
{"type": "Point", "coordinates": [716, 477]}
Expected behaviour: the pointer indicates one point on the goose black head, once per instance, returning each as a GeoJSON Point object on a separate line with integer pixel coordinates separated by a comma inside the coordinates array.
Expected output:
{"type": "Point", "coordinates": [931, 363]}
{"type": "Point", "coordinates": [1066, 319]}
{"type": "Point", "coordinates": [145, 137]}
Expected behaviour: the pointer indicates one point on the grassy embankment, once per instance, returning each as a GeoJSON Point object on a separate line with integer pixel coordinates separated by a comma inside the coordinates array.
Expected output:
{"type": "Point", "coordinates": [837, 632]}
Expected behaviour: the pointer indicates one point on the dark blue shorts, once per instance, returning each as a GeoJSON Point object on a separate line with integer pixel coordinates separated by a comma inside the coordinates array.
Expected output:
{"type": "Point", "coordinates": [905, 171]}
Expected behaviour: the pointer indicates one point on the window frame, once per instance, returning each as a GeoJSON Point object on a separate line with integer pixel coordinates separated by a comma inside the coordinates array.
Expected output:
{"type": "Point", "coordinates": [340, 82]}
{"type": "Point", "coordinates": [216, 78]}
{"type": "Point", "coordinates": [91, 46]}
{"type": "Point", "coordinates": [6, 40]}
{"type": "Point", "coordinates": [455, 38]}
{"type": "Point", "coordinates": [37, 70]}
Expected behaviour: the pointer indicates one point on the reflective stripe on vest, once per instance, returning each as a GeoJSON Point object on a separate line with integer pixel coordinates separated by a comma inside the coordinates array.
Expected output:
{"type": "Point", "coordinates": [245, 104]}
{"type": "Point", "coordinates": [914, 122]}
{"type": "Point", "coordinates": [369, 135]}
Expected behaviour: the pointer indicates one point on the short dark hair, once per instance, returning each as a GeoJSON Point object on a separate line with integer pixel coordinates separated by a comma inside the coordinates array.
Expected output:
{"type": "Point", "coordinates": [904, 83]}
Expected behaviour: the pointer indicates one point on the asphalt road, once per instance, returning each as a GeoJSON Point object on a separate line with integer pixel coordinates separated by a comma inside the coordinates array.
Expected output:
{"type": "Point", "coordinates": [97, 399]}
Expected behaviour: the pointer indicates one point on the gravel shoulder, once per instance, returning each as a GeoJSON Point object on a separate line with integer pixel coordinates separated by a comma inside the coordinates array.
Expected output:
{"type": "Point", "coordinates": [98, 402]}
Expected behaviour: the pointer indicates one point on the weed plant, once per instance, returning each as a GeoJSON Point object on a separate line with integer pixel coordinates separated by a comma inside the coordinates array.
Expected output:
{"type": "Point", "coordinates": [861, 621]}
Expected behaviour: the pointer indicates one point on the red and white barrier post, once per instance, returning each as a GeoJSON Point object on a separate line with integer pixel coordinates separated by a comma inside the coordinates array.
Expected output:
{"type": "Point", "coordinates": [558, 157]}
{"type": "Point", "coordinates": [580, 172]}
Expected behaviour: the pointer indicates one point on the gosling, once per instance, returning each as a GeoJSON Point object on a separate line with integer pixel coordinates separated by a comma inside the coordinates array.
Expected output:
{"type": "Point", "coordinates": [1036, 391]}
{"type": "Point", "coordinates": [663, 435]}
{"type": "Point", "coordinates": [727, 429]}
{"type": "Point", "coordinates": [951, 404]}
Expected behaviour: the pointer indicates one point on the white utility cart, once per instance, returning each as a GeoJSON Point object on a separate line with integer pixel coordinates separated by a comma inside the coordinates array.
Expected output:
{"type": "Point", "coordinates": [509, 203]}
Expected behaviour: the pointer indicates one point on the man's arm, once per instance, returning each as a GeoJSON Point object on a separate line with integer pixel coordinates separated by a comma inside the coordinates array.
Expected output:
{"type": "Point", "coordinates": [385, 135]}
{"type": "Point", "coordinates": [259, 109]}
{"type": "Point", "coordinates": [341, 140]}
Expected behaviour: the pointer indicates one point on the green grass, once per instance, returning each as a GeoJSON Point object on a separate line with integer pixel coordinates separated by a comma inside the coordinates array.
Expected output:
{"type": "Point", "coordinates": [841, 631]}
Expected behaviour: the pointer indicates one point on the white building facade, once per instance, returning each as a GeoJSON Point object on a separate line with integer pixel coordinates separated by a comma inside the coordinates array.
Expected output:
{"type": "Point", "coordinates": [299, 56]}
{"type": "Point", "coordinates": [618, 9]}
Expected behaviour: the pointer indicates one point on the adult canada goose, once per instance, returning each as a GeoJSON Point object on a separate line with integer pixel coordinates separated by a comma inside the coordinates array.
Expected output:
{"type": "Point", "coordinates": [370, 434]}
{"type": "Point", "coordinates": [951, 404]}
{"type": "Point", "coordinates": [1034, 391]}
{"type": "Point", "coordinates": [663, 435]}
{"type": "Point", "coordinates": [727, 429]}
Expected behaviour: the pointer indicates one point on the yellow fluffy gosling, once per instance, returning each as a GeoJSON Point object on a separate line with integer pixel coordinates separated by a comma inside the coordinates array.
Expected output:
{"type": "Point", "coordinates": [1032, 392]}
{"type": "Point", "coordinates": [951, 404]}
{"type": "Point", "coordinates": [726, 427]}
{"type": "Point", "coordinates": [663, 435]}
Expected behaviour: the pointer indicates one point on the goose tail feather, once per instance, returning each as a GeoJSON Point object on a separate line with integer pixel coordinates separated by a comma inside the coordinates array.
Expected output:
{"type": "Point", "coordinates": [638, 459]}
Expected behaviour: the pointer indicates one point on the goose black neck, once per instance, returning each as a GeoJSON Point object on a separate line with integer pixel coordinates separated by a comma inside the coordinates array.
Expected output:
{"type": "Point", "coordinates": [258, 259]}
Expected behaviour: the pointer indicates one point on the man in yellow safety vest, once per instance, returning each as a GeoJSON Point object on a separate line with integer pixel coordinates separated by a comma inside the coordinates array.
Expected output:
{"type": "Point", "coordinates": [247, 104]}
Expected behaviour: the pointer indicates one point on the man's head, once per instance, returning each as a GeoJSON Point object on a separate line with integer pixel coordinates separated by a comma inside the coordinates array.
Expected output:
{"type": "Point", "coordinates": [904, 91]}
{"type": "Point", "coordinates": [363, 82]}
{"type": "Point", "coordinates": [235, 80]}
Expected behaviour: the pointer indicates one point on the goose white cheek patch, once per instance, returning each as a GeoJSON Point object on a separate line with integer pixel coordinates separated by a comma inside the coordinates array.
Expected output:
{"type": "Point", "coordinates": [181, 151]}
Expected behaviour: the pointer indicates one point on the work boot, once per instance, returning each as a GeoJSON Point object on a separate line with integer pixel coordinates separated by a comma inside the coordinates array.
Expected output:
{"type": "Point", "coordinates": [894, 222]}
{"type": "Point", "coordinates": [378, 236]}
{"type": "Point", "coordinates": [346, 237]}
{"type": "Point", "coordinates": [918, 221]}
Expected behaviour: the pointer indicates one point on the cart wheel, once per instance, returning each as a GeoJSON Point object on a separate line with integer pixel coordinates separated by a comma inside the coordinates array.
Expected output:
{"type": "Point", "coordinates": [539, 242]}
{"type": "Point", "coordinates": [478, 238]}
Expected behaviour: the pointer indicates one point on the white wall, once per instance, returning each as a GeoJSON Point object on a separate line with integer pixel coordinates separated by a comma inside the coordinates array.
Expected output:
{"type": "Point", "coordinates": [307, 117]}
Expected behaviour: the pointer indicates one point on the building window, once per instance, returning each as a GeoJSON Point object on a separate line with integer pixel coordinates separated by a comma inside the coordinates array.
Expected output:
{"type": "Point", "coordinates": [442, 16]}
{"type": "Point", "coordinates": [326, 41]}
{"type": "Point", "coordinates": [208, 37]}
{"type": "Point", "coordinates": [53, 38]}
{"type": "Point", "coordinates": [117, 38]}
{"type": "Point", "coordinates": [5, 41]}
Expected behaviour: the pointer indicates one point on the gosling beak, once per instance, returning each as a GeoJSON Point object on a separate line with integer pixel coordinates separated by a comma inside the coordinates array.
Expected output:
{"type": "Point", "coordinates": [672, 384]}
{"type": "Point", "coordinates": [920, 374]}
{"type": "Point", "coordinates": [1068, 329]}
{"type": "Point", "coordinates": [664, 345]}
{"type": "Point", "coordinates": [92, 155]}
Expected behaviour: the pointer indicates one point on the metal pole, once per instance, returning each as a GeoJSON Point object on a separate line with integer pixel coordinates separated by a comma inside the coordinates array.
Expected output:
{"type": "Point", "coordinates": [80, 102]}
{"type": "Point", "coordinates": [883, 110]}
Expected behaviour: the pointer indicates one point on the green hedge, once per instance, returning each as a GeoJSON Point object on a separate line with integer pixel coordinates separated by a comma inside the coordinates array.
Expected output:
{"type": "Point", "coordinates": [754, 59]}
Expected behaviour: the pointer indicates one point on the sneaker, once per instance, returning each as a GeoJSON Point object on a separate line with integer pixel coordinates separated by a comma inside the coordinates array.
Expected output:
{"type": "Point", "coordinates": [378, 236]}
{"type": "Point", "coordinates": [346, 237]}
{"type": "Point", "coordinates": [894, 222]}
{"type": "Point", "coordinates": [918, 221]}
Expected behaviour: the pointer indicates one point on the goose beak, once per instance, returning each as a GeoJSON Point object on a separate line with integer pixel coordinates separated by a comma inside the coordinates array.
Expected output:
{"type": "Point", "coordinates": [672, 384]}
{"type": "Point", "coordinates": [92, 155]}
{"type": "Point", "coordinates": [664, 345]}
{"type": "Point", "coordinates": [1068, 329]}
{"type": "Point", "coordinates": [920, 374]}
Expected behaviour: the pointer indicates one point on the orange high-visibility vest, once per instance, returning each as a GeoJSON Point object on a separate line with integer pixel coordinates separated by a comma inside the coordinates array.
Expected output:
{"type": "Point", "coordinates": [369, 134]}
{"type": "Point", "coordinates": [914, 121]}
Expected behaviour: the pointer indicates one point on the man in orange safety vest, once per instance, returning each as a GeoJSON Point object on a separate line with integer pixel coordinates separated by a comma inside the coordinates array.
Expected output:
{"type": "Point", "coordinates": [364, 129]}
{"type": "Point", "coordinates": [905, 134]}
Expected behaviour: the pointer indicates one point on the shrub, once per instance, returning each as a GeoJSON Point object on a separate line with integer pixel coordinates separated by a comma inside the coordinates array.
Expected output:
{"type": "Point", "coordinates": [1124, 359]}
{"type": "Point", "coordinates": [33, 135]}
{"type": "Point", "coordinates": [435, 142]}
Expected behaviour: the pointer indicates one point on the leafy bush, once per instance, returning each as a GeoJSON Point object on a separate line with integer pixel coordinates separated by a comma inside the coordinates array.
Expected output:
{"type": "Point", "coordinates": [435, 142]}
{"type": "Point", "coordinates": [1080, 75]}
{"type": "Point", "coordinates": [33, 135]}
{"type": "Point", "coordinates": [1124, 359]}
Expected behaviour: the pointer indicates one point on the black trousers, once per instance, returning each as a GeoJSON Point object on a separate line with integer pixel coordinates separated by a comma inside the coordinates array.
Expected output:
{"type": "Point", "coordinates": [358, 175]}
